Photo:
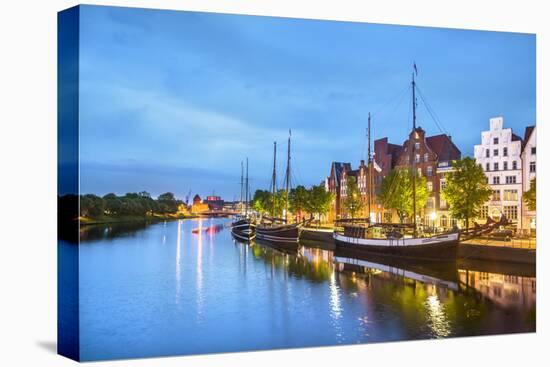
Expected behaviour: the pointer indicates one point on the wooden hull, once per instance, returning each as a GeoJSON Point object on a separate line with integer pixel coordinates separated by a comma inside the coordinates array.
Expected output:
{"type": "Point", "coordinates": [289, 234]}
{"type": "Point", "coordinates": [437, 248]}
{"type": "Point", "coordinates": [243, 229]}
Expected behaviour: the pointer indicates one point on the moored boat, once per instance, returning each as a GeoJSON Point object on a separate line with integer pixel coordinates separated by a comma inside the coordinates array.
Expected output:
{"type": "Point", "coordinates": [393, 239]}
{"type": "Point", "coordinates": [243, 226]}
{"type": "Point", "coordinates": [278, 230]}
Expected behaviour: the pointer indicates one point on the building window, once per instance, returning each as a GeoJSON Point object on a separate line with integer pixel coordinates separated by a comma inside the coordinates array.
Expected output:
{"type": "Point", "coordinates": [495, 166]}
{"type": "Point", "coordinates": [487, 153]}
{"type": "Point", "coordinates": [514, 165]}
{"type": "Point", "coordinates": [416, 146]}
{"type": "Point", "coordinates": [443, 184]}
{"type": "Point", "coordinates": [496, 195]}
{"type": "Point", "coordinates": [484, 212]}
{"type": "Point", "coordinates": [443, 221]}
{"type": "Point", "coordinates": [511, 212]}
{"type": "Point", "coordinates": [419, 172]}
{"type": "Point", "coordinates": [430, 203]}
{"type": "Point", "coordinates": [430, 186]}
{"type": "Point", "coordinates": [532, 167]}
{"type": "Point", "coordinates": [429, 171]}
{"type": "Point", "coordinates": [495, 140]}
{"type": "Point", "coordinates": [510, 179]}
{"type": "Point", "coordinates": [417, 158]}
{"type": "Point", "coordinates": [487, 167]}
{"type": "Point", "coordinates": [505, 166]}
{"type": "Point", "coordinates": [495, 152]}
{"type": "Point", "coordinates": [510, 195]}
{"type": "Point", "coordinates": [426, 158]}
{"type": "Point", "coordinates": [533, 150]}
{"type": "Point", "coordinates": [505, 152]}
{"type": "Point", "coordinates": [496, 180]}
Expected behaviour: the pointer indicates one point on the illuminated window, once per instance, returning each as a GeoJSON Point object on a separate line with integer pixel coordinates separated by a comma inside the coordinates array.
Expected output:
{"type": "Point", "coordinates": [430, 186]}
{"type": "Point", "coordinates": [510, 195]}
{"type": "Point", "coordinates": [417, 158]}
{"type": "Point", "coordinates": [484, 212]}
{"type": "Point", "coordinates": [429, 171]}
{"type": "Point", "coordinates": [495, 195]}
{"type": "Point", "coordinates": [426, 157]}
{"type": "Point", "coordinates": [416, 146]}
{"type": "Point", "coordinates": [511, 212]}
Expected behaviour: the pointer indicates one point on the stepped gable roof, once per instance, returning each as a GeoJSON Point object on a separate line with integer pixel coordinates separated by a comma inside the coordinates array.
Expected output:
{"type": "Point", "coordinates": [338, 169]}
{"type": "Point", "coordinates": [526, 136]}
{"type": "Point", "coordinates": [443, 146]}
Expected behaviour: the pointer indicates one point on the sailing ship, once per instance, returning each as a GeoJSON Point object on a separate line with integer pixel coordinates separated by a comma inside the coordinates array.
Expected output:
{"type": "Point", "coordinates": [279, 231]}
{"type": "Point", "coordinates": [396, 239]}
{"type": "Point", "coordinates": [243, 227]}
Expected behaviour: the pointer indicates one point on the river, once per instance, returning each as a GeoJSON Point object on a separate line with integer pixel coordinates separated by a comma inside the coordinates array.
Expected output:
{"type": "Point", "coordinates": [187, 287]}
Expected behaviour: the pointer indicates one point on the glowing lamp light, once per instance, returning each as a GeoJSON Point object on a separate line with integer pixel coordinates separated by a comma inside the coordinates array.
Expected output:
{"type": "Point", "coordinates": [433, 216]}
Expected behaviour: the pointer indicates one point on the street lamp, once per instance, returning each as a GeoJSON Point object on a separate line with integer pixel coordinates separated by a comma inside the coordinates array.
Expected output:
{"type": "Point", "coordinates": [433, 217]}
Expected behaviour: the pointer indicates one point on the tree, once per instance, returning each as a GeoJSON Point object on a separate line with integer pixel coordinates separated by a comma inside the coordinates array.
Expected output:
{"type": "Point", "coordinates": [320, 200]}
{"type": "Point", "coordinates": [167, 203]}
{"type": "Point", "coordinates": [466, 189]}
{"type": "Point", "coordinates": [353, 202]}
{"type": "Point", "coordinates": [530, 196]}
{"type": "Point", "coordinates": [260, 201]}
{"type": "Point", "coordinates": [91, 206]}
{"type": "Point", "coordinates": [396, 192]}
{"type": "Point", "coordinates": [112, 203]}
{"type": "Point", "coordinates": [298, 199]}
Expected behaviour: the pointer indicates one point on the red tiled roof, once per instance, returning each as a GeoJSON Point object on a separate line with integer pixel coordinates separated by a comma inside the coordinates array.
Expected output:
{"type": "Point", "coordinates": [444, 147]}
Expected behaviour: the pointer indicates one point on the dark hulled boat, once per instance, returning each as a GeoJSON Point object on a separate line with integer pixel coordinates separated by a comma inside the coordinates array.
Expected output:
{"type": "Point", "coordinates": [279, 231]}
{"type": "Point", "coordinates": [243, 226]}
{"type": "Point", "coordinates": [360, 236]}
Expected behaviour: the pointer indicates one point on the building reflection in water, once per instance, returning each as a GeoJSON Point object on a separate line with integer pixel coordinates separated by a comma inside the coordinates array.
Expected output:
{"type": "Point", "coordinates": [199, 275]}
{"type": "Point", "coordinates": [178, 261]}
{"type": "Point", "coordinates": [504, 290]}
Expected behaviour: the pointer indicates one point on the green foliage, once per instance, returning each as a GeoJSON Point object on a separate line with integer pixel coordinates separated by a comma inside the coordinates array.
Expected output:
{"type": "Point", "coordinates": [466, 189]}
{"type": "Point", "coordinates": [91, 205]}
{"type": "Point", "coordinates": [530, 196]}
{"type": "Point", "coordinates": [132, 203]}
{"type": "Point", "coordinates": [353, 203]}
{"type": "Point", "coordinates": [320, 200]}
{"type": "Point", "coordinates": [299, 199]}
{"type": "Point", "coordinates": [396, 192]}
{"type": "Point", "coordinates": [260, 201]}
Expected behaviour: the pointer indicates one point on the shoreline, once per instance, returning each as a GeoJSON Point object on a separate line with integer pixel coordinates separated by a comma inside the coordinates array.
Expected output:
{"type": "Point", "coordinates": [83, 221]}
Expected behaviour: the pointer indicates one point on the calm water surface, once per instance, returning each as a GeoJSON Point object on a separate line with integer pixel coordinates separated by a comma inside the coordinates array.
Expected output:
{"type": "Point", "coordinates": [162, 290]}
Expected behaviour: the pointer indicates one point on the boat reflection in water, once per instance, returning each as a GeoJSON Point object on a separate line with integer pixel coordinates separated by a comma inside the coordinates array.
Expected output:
{"type": "Point", "coordinates": [430, 299]}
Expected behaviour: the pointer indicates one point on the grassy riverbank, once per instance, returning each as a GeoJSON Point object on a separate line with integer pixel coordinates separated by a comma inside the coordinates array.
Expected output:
{"type": "Point", "coordinates": [106, 219]}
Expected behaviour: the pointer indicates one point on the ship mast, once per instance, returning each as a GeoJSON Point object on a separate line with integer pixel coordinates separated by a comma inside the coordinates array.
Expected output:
{"type": "Point", "coordinates": [242, 186]}
{"type": "Point", "coordinates": [413, 152]}
{"type": "Point", "coordinates": [274, 179]}
{"type": "Point", "coordinates": [246, 189]}
{"type": "Point", "coordinates": [287, 177]}
{"type": "Point", "coordinates": [369, 162]}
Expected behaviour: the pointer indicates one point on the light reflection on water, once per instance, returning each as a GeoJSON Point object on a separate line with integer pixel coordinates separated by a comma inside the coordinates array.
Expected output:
{"type": "Point", "coordinates": [231, 296]}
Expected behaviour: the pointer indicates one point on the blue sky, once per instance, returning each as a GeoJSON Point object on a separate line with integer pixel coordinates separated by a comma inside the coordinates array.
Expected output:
{"type": "Point", "coordinates": [173, 101]}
